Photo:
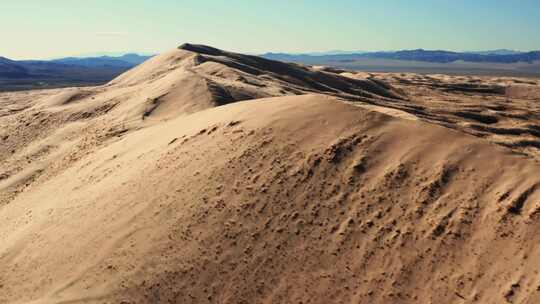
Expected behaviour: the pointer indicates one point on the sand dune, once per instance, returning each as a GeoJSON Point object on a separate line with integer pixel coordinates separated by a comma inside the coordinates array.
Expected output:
{"type": "Point", "coordinates": [200, 177]}
{"type": "Point", "coordinates": [178, 83]}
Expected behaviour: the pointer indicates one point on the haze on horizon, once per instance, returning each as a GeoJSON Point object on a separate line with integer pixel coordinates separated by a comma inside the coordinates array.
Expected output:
{"type": "Point", "coordinates": [32, 30]}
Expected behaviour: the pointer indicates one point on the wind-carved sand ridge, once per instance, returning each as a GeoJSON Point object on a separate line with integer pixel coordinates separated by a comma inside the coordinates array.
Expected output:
{"type": "Point", "coordinates": [203, 176]}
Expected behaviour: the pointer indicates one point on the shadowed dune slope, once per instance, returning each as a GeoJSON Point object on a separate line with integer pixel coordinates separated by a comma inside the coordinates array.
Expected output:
{"type": "Point", "coordinates": [196, 77]}
{"type": "Point", "coordinates": [297, 199]}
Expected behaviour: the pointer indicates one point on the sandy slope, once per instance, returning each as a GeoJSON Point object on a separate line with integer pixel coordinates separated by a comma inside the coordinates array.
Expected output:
{"type": "Point", "coordinates": [293, 199]}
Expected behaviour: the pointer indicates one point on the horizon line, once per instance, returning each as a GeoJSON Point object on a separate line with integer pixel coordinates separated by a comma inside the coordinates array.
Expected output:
{"type": "Point", "coordinates": [98, 54]}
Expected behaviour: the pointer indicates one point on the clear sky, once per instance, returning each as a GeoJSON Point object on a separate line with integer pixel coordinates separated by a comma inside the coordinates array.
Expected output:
{"type": "Point", "coordinates": [54, 28]}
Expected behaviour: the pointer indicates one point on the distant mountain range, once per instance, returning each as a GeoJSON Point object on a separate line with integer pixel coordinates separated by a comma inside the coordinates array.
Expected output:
{"type": "Point", "coordinates": [497, 52]}
{"type": "Point", "coordinates": [10, 68]}
{"type": "Point", "coordinates": [25, 74]}
{"type": "Point", "coordinates": [496, 62]}
{"type": "Point", "coordinates": [495, 56]}
{"type": "Point", "coordinates": [81, 71]}
{"type": "Point", "coordinates": [127, 60]}
{"type": "Point", "coordinates": [334, 52]}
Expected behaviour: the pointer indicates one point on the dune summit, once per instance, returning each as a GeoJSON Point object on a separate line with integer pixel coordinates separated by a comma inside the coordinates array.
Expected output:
{"type": "Point", "coordinates": [204, 176]}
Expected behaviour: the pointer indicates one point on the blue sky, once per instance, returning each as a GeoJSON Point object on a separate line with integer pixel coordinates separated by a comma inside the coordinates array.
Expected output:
{"type": "Point", "coordinates": [54, 28]}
